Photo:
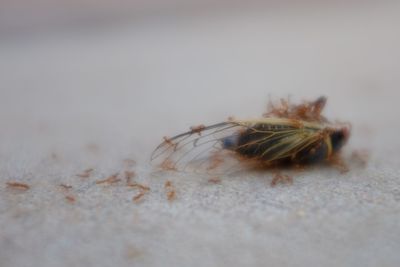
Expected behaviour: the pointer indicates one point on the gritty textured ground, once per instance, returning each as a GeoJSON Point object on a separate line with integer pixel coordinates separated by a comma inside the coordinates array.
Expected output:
{"type": "Point", "coordinates": [82, 99]}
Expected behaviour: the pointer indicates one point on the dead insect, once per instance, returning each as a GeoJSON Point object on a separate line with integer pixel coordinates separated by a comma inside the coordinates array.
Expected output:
{"type": "Point", "coordinates": [286, 134]}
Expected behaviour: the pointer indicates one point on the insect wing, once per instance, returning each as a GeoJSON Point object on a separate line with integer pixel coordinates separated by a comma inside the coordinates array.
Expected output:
{"type": "Point", "coordinates": [195, 151]}
{"type": "Point", "coordinates": [273, 145]}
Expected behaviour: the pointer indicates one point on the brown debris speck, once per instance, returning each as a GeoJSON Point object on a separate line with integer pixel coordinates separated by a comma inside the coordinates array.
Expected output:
{"type": "Point", "coordinates": [18, 186]}
{"type": "Point", "coordinates": [140, 186]}
{"type": "Point", "coordinates": [86, 173]}
{"type": "Point", "coordinates": [360, 157]}
{"type": "Point", "coordinates": [215, 161]}
{"type": "Point", "coordinates": [143, 189]}
{"type": "Point", "coordinates": [338, 162]}
{"type": "Point", "coordinates": [133, 252]}
{"type": "Point", "coordinates": [110, 180]}
{"type": "Point", "coordinates": [281, 178]}
{"type": "Point", "coordinates": [139, 196]}
{"type": "Point", "coordinates": [70, 199]}
{"type": "Point", "coordinates": [307, 111]}
{"type": "Point", "coordinates": [171, 195]}
{"type": "Point", "coordinates": [170, 191]}
{"type": "Point", "coordinates": [197, 129]}
{"type": "Point", "coordinates": [66, 187]}
{"type": "Point", "coordinates": [167, 165]}
{"type": "Point", "coordinates": [168, 141]}
{"type": "Point", "coordinates": [214, 180]}
{"type": "Point", "coordinates": [129, 175]}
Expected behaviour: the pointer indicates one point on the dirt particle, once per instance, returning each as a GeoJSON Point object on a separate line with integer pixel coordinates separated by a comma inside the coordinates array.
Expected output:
{"type": "Point", "coordinates": [214, 180]}
{"type": "Point", "coordinates": [139, 186]}
{"type": "Point", "coordinates": [18, 185]}
{"type": "Point", "coordinates": [281, 178]}
{"type": "Point", "coordinates": [167, 165]}
{"type": "Point", "coordinates": [71, 199]}
{"type": "Point", "coordinates": [66, 187]}
{"type": "Point", "coordinates": [129, 175]}
{"type": "Point", "coordinates": [197, 129]}
{"type": "Point", "coordinates": [110, 180]}
{"type": "Point", "coordinates": [86, 173]}
{"type": "Point", "coordinates": [170, 191]}
{"type": "Point", "coordinates": [137, 198]}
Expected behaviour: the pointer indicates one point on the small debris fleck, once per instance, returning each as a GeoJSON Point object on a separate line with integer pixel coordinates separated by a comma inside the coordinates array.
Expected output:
{"type": "Point", "coordinates": [197, 129]}
{"type": "Point", "coordinates": [215, 161]}
{"type": "Point", "coordinates": [170, 191]}
{"type": "Point", "coordinates": [168, 141]}
{"type": "Point", "coordinates": [171, 195]}
{"type": "Point", "coordinates": [110, 180]}
{"type": "Point", "coordinates": [86, 173]}
{"type": "Point", "coordinates": [168, 165]}
{"type": "Point", "coordinates": [281, 178]}
{"type": "Point", "coordinates": [214, 180]}
{"type": "Point", "coordinates": [139, 186]}
{"type": "Point", "coordinates": [138, 197]}
{"type": "Point", "coordinates": [129, 175]}
{"type": "Point", "coordinates": [360, 157]}
{"type": "Point", "coordinates": [168, 184]}
{"type": "Point", "coordinates": [66, 187]}
{"type": "Point", "coordinates": [18, 185]}
{"type": "Point", "coordinates": [70, 199]}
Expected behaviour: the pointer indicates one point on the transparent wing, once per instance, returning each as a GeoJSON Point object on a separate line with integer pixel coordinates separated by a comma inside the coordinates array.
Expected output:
{"type": "Point", "coordinates": [198, 151]}
{"type": "Point", "coordinates": [205, 151]}
{"type": "Point", "coordinates": [273, 145]}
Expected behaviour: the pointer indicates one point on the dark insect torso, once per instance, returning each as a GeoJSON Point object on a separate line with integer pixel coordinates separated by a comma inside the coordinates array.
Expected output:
{"type": "Point", "coordinates": [277, 144]}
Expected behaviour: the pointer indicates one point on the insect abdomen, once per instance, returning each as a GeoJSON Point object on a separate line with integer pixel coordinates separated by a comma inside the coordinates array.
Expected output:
{"type": "Point", "coordinates": [314, 153]}
{"type": "Point", "coordinates": [260, 143]}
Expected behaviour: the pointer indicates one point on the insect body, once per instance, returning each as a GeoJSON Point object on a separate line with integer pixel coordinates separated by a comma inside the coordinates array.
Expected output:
{"type": "Point", "coordinates": [293, 135]}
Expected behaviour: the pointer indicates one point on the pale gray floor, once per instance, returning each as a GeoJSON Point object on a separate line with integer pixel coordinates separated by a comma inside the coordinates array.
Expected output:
{"type": "Point", "coordinates": [81, 99]}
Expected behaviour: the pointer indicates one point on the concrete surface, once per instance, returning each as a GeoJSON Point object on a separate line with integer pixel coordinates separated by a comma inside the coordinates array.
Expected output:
{"type": "Point", "coordinates": [91, 98]}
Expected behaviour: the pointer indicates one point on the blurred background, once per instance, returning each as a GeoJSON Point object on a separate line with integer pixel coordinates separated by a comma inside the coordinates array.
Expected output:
{"type": "Point", "coordinates": [143, 69]}
{"type": "Point", "coordinates": [93, 82]}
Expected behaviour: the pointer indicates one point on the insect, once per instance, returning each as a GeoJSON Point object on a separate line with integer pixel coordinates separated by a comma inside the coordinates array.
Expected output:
{"type": "Point", "coordinates": [286, 134]}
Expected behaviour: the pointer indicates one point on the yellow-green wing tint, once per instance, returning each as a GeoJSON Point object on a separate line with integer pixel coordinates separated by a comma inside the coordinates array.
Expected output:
{"type": "Point", "coordinates": [276, 141]}
{"type": "Point", "coordinates": [211, 149]}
